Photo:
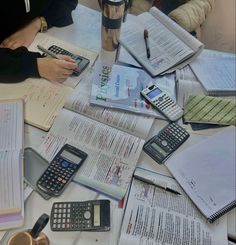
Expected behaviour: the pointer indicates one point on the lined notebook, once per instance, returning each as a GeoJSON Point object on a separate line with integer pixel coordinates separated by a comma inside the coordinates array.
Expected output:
{"type": "Point", "coordinates": [216, 72]}
{"type": "Point", "coordinates": [208, 109]}
{"type": "Point", "coordinates": [206, 171]}
{"type": "Point", "coordinates": [11, 162]}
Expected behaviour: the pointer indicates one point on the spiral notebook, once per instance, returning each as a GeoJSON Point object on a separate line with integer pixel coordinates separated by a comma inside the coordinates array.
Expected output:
{"type": "Point", "coordinates": [206, 171]}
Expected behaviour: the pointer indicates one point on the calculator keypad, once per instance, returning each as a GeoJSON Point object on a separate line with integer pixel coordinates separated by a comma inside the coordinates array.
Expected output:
{"type": "Point", "coordinates": [71, 216]}
{"type": "Point", "coordinates": [57, 175]}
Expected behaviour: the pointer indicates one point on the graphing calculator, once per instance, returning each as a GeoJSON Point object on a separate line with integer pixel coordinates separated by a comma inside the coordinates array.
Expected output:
{"type": "Point", "coordinates": [61, 170]}
{"type": "Point", "coordinates": [91, 215]}
{"type": "Point", "coordinates": [162, 102]}
{"type": "Point", "coordinates": [81, 61]}
{"type": "Point", "coordinates": [162, 145]}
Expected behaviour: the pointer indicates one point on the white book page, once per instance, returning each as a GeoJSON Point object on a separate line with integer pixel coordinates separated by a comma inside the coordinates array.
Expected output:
{"type": "Point", "coordinates": [112, 154]}
{"type": "Point", "coordinates": [209, 177]}
{"type": "Point", "coordinates": [180, 32]}
{"type": "Point", "coordinates": [165, 48]}
{"type": "Point", "coordinates": [134, 124]}
{"type": "Point", "coordinates": [155, 216]}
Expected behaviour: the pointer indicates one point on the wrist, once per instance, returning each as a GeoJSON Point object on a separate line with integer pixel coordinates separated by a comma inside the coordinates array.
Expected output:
{"type": "Point", "coordinates": [43, 24]}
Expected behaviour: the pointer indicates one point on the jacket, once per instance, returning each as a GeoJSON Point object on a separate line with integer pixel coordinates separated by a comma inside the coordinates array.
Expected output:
{"type": "Point", "coordinates": [189, 14]}
{"type": "Point", "coordinates": [19, 64]}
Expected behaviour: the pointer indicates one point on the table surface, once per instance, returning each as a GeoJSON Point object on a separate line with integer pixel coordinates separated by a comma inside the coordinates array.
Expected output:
{"type": "Point", "coordinates": [88, 36]}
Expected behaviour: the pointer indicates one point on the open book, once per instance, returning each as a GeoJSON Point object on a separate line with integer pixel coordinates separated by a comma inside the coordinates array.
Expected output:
{"type": "Point", "coordinates": [171, 47]}
{"type": "Point", "coordinates": [113, 151]}
{"type": "Point", "coordinates": [43, 99]}
{"type": "Point", "coordinates": [206, 171]}
{"type": "Point", "coordinates": [11, 164]}
{"type": "Point", "coordinates": [156, 216]}
{"type": "Point", "coordinates": [119, 87]}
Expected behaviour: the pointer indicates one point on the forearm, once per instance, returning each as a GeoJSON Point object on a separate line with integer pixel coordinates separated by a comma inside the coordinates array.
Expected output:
{"type": "Point", "coordinates": [17, 65]}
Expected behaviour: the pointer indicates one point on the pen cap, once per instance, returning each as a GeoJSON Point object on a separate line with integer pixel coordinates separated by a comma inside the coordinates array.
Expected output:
{"type": "Point", "coordinates": [112, 16]}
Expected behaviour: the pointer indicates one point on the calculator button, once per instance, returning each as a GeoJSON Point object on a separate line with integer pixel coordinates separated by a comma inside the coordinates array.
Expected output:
{"type": "Point", "coordinates": [164, 142]}
{"type": "Point", "coordinates": [87, 215]}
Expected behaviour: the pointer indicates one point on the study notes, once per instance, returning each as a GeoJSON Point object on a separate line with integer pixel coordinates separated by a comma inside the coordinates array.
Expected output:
{"type": "Point", "coordinates": [206, 171]}
{"type": "Point", "coordinates": [11, 163]}
{"type": "Point", "coordinates": [171, 47]}
{"type": "Point", "coordinates": [155, 216]}
{"type": "Point", "coordinates": [113, 151]}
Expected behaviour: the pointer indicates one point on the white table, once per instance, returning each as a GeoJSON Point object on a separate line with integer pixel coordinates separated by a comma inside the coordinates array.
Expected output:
{"type": "Point", "coordinates": [85, 32]}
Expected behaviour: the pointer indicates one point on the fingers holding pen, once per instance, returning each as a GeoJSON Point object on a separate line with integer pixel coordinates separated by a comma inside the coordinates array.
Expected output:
{"type": "Point", "coordinates": [56, 69]}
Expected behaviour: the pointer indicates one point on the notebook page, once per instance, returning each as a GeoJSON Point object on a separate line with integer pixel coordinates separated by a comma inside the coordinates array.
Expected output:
{"type": "Point", "coordinates": [11, 125]}
{"type": "Point", "coordinates": [206, 171]}
{"type": "Point", "coordinates": [11, 144]}
{"type": "Point", "coordinates": [43, 99]}
{"type": "Point", "coordinates": [10, 180]}
{"type": "Point", "coordinates": [216, 75]}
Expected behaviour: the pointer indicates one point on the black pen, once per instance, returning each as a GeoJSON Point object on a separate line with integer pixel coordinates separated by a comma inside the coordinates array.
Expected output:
{"type": "Point", "coordinates": [145, 35]}
{"type": "Point", "coordinates": [157, 185]}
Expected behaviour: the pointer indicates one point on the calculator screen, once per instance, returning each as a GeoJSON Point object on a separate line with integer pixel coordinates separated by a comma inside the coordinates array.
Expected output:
{"type": "Point", "coordinates": [70, 157]}
{"type": "Point", "coordinates": [159, 149]}
{"type": "Point", "coordinates": [154, 93]}
{"type": "Point", "coordinates": [96, 215]}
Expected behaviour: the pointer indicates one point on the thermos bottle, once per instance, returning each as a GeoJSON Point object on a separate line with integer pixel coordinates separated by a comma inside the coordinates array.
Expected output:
{"type": "Point", "coordinates": [112, 16]}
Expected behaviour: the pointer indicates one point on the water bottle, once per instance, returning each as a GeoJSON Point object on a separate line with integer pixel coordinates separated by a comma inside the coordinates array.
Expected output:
{"type": "Point", "coordinates": [112, 17]}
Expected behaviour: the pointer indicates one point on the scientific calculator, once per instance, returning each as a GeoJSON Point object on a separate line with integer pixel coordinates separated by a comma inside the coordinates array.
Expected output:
{"type": "Point", "coordinates": [93, 215]}
{"type": "Point", "coordinates": [162, 145]}
{"type": "Point", "coordinates": [81, 61]}
{"type": "Point", "coordinates": [162, 102]}
{"type": "Point", "coordinates": [61, 170]}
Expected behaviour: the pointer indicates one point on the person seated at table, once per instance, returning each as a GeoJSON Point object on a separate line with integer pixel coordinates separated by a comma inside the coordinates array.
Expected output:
{"type": "Point", "coordinates": [21, 21]}
{"type": "Point", "coordinates": [189, 14]}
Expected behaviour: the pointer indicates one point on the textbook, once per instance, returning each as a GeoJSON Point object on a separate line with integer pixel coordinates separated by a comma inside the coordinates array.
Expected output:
{"type": "Point", "coordinates": [206, 172]}
{"type": "Point", "coordinates": [171, 46]}
{"type": "Point", "coordinates": [157, 216]}
{"type": "Point", "coordinates": [44, 99]}
{"type": "Point", "coordinates": [118, 87]}
{"type": "Point", "coordinates": [11, 163]}
{"type": "Point", "coordinates": [113, 141]}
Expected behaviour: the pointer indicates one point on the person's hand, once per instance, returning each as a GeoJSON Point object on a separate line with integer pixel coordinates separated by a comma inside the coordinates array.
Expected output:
{"type": "Point", "coordinates": [56, 69]}
{"type": "Point", "coordinates": [23, 37]}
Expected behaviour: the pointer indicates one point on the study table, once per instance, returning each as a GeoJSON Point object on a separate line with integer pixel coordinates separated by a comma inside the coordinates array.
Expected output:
{"type": "Point", "coordinates": [85, 32]}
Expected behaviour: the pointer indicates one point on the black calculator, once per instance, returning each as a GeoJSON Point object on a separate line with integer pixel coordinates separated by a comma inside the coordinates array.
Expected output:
{"type": "Point", "coordinates": [162, 145]}
{"type": "Point", "coordinates": [61, 170]}
{"type": "Point", "coordinates": [81, 61]}
{"type": "Point", "coordinates": [91, 215]}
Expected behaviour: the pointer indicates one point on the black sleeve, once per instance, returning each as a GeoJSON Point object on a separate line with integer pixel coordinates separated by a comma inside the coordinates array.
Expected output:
{"type": "Point", "coordinates": [59, 12]}
{"type": "Point", "coordinates": [17, 65]}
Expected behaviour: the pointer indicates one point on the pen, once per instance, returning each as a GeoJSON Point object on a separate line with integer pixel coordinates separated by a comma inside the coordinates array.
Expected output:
{"type": "Point", "coordinates": [159, 186]}
{"type": "Point", "coordinates": [48, 52]}
{"type": "Point", "coordinates": [145, 35]}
